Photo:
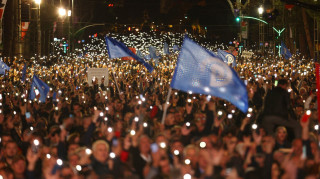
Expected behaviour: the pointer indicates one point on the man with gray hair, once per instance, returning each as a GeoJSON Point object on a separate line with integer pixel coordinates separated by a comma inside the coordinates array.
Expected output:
{"type": "Point", "coordinates": [101, 163]}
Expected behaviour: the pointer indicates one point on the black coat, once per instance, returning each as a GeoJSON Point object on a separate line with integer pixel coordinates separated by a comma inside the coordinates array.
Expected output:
{"type": "Point", "coordinates": [277, 103]}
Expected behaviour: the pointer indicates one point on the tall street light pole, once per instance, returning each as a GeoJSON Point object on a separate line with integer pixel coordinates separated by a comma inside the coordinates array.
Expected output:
{"type": "Point", "coordinates": [261, 30]}
{"type": "Point", "coordinates": [38, 2]}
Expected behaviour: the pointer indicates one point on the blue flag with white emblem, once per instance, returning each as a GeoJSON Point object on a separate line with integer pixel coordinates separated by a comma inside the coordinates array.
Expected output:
{"type": "Point", "coordinates": [41, 87]}
{"type": "Point", "coordinates": [153, 53]}
{"type": "Point", "coordinates": [3, 68]}
{"type": "Point", "coordinates": [285, 51]}
{"type": "Point", "coordinates": [117, 50]}
{"type": "Point", "coordinates": [227, 57]}
{"type": "Point", "coordinates": [139, 54]}
{"type": "Point", "coordinates": [200, 71]}
{"type": "Point", "coordinates": [166, 49]}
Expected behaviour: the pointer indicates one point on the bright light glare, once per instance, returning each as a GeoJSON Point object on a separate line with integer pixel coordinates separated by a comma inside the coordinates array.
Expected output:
{"type": "Point", "coordinates": [62, 12]}
{"type": "Point", "coordinates": [260, 10]}
{"type": "Point", "coordinates": [37, 2]}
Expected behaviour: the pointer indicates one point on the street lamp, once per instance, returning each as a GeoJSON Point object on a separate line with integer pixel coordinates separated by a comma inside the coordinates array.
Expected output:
{"type": "Point", "coordinates": [261, 30]}
{"type": "Point", "coordinates": [62, 12]}
{"type": "Point", "coordinates": [260, 10]}
{"type": "Point", "coordinates": [38, 2]}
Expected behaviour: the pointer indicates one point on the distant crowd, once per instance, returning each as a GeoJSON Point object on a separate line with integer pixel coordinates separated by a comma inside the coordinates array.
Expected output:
{"type": "Point", "coordinates": [116, 130]}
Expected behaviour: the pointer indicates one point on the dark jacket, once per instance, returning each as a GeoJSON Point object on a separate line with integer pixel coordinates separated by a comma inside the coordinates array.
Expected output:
{"type": "Point", "coordinates": [277, 103]}
{"type": "Point", "coordinates": [103, 169]}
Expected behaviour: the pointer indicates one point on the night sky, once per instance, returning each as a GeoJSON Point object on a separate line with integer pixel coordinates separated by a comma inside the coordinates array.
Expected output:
{"type": "Point", "coordinates": [213, 14]}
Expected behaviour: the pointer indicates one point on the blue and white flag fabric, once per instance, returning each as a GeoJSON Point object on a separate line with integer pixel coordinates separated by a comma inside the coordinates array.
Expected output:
{"type": "Point", "coordinates": [147, 57]}
{"type": "Point", "coordinates": [285, 51]}
{"type": "Point", "coordinates": [3, 68]}
{"type": "Point", "coordinates": [227, 57]}
{"type": "Point", "coordinates": [166, 49]}
{"type": "Point", "coordinates": [42, 88]}
{"type": "Point", "coordinates": [139, 54]}
{"type": "Point", "coordinates": [200, 71]}
{"type": "Point", "coordinates": [175, 48]}
{"type": "Point", "coordinates": [153, 53]}
{"type": "Point", "coordinates": [24, 72]}
{"type": "Point", "coordinates": [117, 50]}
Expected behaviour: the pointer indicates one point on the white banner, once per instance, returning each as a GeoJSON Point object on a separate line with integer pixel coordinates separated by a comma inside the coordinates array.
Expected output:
{"type": "Point", "coordinates": [247, 54]}
{"type": "Point", "coordinates": [98, 74]}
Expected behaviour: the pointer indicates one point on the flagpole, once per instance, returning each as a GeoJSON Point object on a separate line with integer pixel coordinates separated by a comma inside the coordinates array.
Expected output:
{"type": "Point", "coordinates": [115, 81]}
{"type": "Point", "coordinates": [166, 106]}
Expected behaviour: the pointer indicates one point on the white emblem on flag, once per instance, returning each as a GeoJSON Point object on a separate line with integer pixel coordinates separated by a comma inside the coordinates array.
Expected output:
{"type": "Point", "coordinates": [230, 58]}
{"type": "Point", "coordinates": [221, 74]}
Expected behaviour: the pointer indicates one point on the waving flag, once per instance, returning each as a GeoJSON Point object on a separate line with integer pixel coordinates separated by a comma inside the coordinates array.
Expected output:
{"type": "Point", "coordinates": [41, 86]}
{"type": "Point", "coordinates": [24, 71]}
{"type": "Point", "coordinates": [285, 51]}
{"type": "Point", "coordinates": [166, 49]}
{"type": "Point", "coordinates": [117, 50]}
{"type": "Point", "coordinates": [200, 71]}
{"type": "Point", "coordinates": [129, 58]}
{"type": "Point", "coordinates": [175, 48]}
{"type": "Point", "coordinates": [153, 53]}
{"type": "Point", "coordinates": [139, 54]}
{"type": "Point", "coordinates": [227, 57]}
{"type": "Point", "coordinates": [3, 68]}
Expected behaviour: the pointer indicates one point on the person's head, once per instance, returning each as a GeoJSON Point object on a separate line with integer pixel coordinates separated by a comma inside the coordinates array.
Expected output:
{"type": "Point", "coordinates": [169, 120]}
{"type": "Point", "coordinates": [73, 159]}
{"type": "Point", "coordinates": [10, 149]}
{"type": "Point", "coordinates": [100, 150]}
{"type": "Point", "coordinates": [200, 120]}
{"type": "Point", "coordinates": [73, 147]}
{"type": "Point", "coordinates": [282, 83]}
{"type": "Point", "coordinates": [275, 170]}
{"type": "Point", "coordinates": [268, 143]}
{"type": "Point", "coordinates": [66, 172]}
{"type": "Point", "coordinates": [297, 147]}
{"type": "Point", "coordinates": [6, 173]}
{"type": "Point", "coordinates": [281, 134]}
{"type": "Point", "coordinates": [18, 165]}
{"type": "Point", "coordinates": [191, 152]}
{"type": "Point", "coordinates": [5, 138]}
{"type": "Point", "coordinates": [144, 144]}
{"type": "Point", "coordinates": [176, 145]}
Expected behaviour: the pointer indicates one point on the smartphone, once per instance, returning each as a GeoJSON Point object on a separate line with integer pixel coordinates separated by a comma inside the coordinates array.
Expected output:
{"type": "Point", "coordinates": [154, 147]}
{"type": "Point", "coordinates": [28, 115]}
{"type": "Point", "coordinates": [35, 146]}
{"type": "Point", "coordinates": [304, 152]}
{"type": "Point", "coordinates": [276, 83]}
{"type": "Point", "coordinates": [115, 142]}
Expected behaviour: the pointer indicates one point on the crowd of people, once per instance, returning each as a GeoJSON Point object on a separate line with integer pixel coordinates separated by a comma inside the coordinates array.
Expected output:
{"type": "Point", "coordinates": [116, 130]}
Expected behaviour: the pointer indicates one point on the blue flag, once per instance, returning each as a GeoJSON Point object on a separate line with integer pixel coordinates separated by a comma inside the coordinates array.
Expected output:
{"type": "Point", "coordinates": [147, 57]}
{"type": "Point", "coordinates": [3, 68]}
{"type": "Point", "coordinates": [153, 53]}
{"type": "Point", "coordinates": [139, 54]}
{"type": "Point", "coordinates": [166, 49]}
{"type": "Point", "coordinates": [42, 88]}
{"type": "Point", "coordinates": [24, 71]}
{"type": "Point", "coordinates": [227, 57]}
{"type": "Point", "coordinates": [117, 50]}
{"type": "Point", "coordinates": [285, 51]}
{"type": "Point", "coordinates": [175, 48]}
{"type": "Point", "coordinates": [200, 71]}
